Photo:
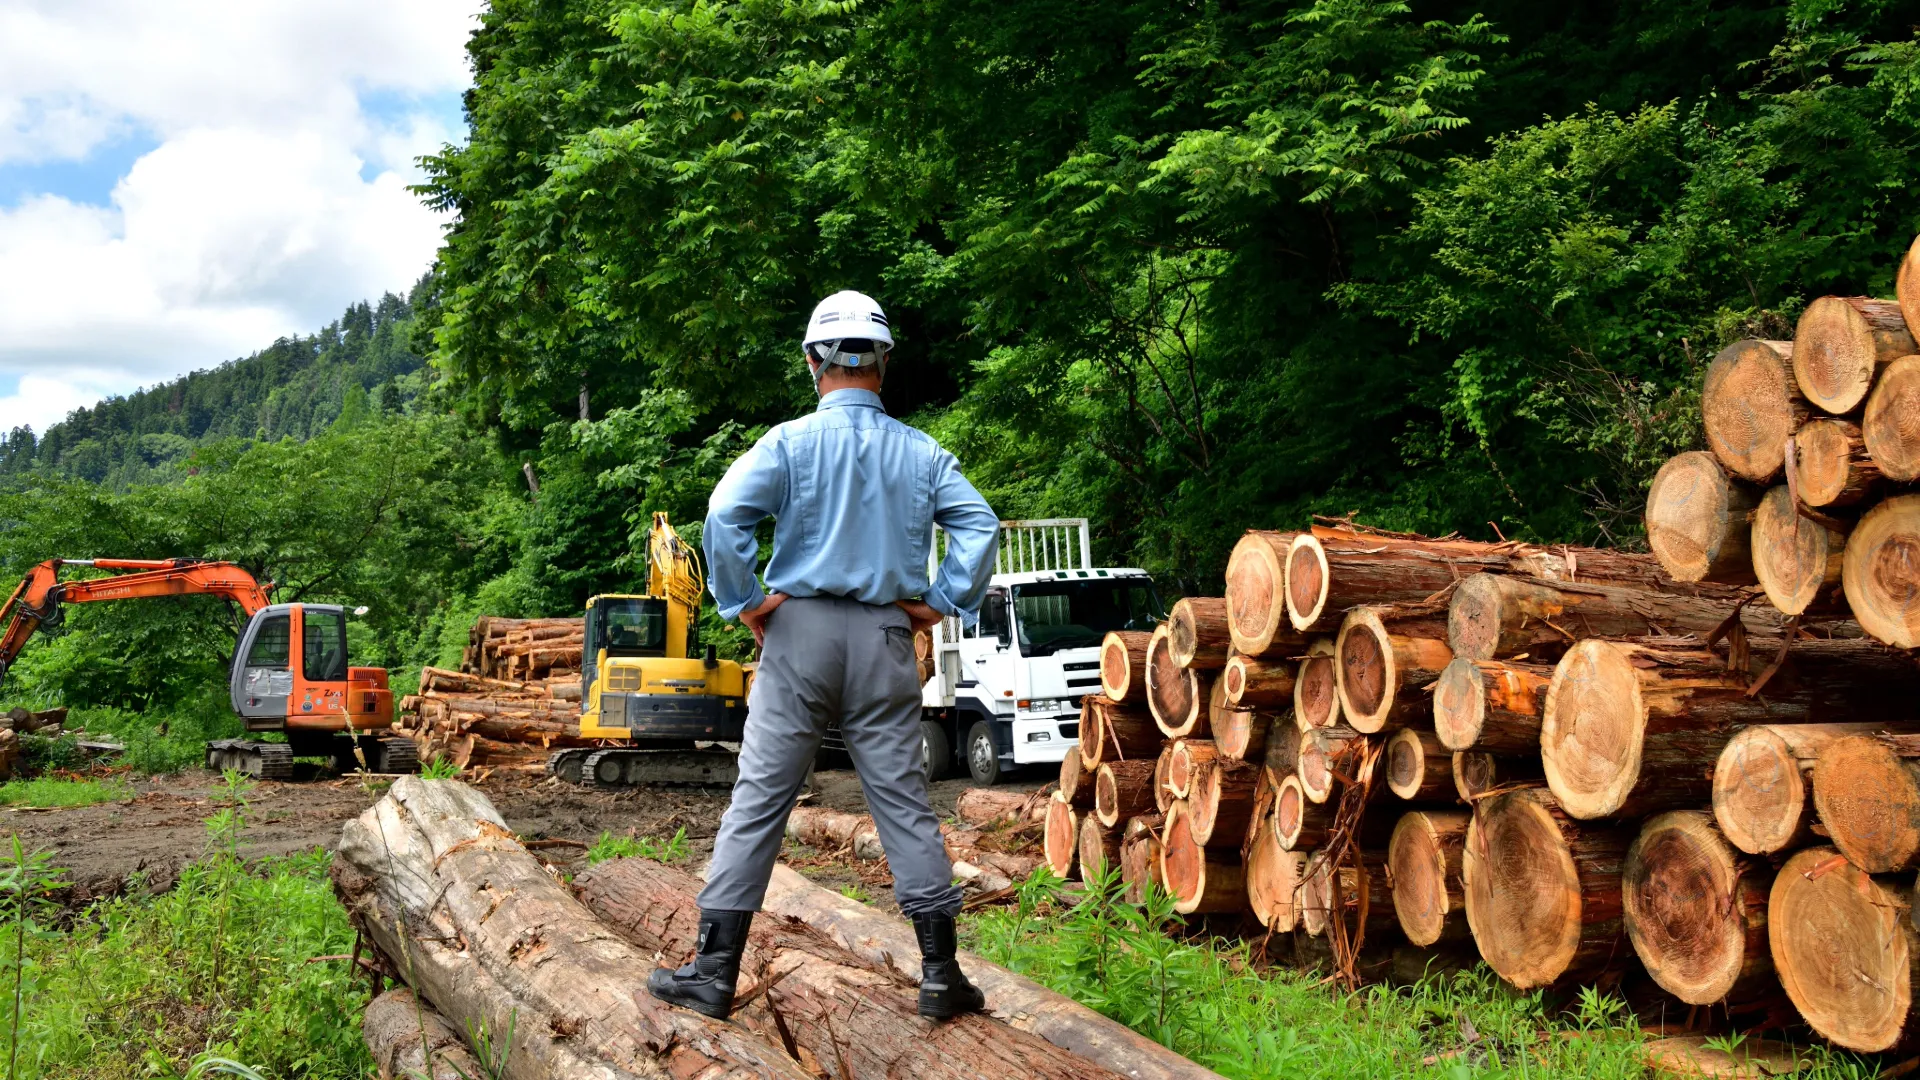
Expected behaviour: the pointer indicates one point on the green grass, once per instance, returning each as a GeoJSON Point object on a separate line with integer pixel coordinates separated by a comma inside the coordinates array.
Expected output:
{"type": "Point", "coordinates": [61, 791]}
{"type": "Point", "coordinates": [629, 846]}
{"type": "Point", "coordinates": [215, 971]}
{"type": "Point", "coordinates": [1207, 1000]}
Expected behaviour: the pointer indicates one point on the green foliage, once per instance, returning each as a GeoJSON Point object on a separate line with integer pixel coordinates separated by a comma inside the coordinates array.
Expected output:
{"type": "Point", "coordinates": [440, 768]}
{"type": "Point", "coordinates": [1212, 1001]}
{"type": "Point", "coordinates": [630, 846]}
{"type": "Point", "coordinates": [57, 791]}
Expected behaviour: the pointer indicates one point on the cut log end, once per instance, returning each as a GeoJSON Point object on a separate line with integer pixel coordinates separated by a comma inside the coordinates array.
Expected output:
{"type": "Point", "coordinates": [1273, 879]}
{"type": "Point", "coordinates": [1418, 768]}
{"type": "Point", "coordinates": [1751, 404]}
{"type": "Point", "coordinates": [1425, 860]}
{"type": "Point", "coordinates": [1061, 840]}
{"type": "Point", "coordinates": [1691, 911]}
{"type": "Point", "coordinates": [1881, 571]}
{"type": "Point", "coordinates": [1591, 737]}
{"type": "Point", "coordinates": [1868, 797]}
{"type": "Point", "coordinates": [1840, 345]}
{"type": "Point", "coordinates": [1123, 657]}
{"type": "Point", "coordinates": [1832, 466]}
{"type": "Point", "coordinates": [1535, 919]}
{"type": "Point", "coordinates": [1174, 693]}
{"type": "Point", "coordinates": [1316, 690]}
{"type": "Point", "coordinates": [1697, 522]}
{"type": "Point", "coordinates": [1844, 947]}
{"type": "Point", "coordinates": [1459, 705]}
{"type": "Point", "coordinates": [1307, 579]}
{"type": "Point", "coordinates": [1197, 632]}
{"type": "Point", "coordinates": [1256, 592]}
{"type": "Point", "coordinates": [1891, 424]}
{"type": "Point", "coordinates": [1202, 882]}
{"type": "Point", "coordinates": [1099, 848]}
{"type": "Point", "coordinates": [1796, 558]}
{"type": "Point", "coordinates": [1123, 789]}
{"type": "Point", "coordinates": [1759, 793]}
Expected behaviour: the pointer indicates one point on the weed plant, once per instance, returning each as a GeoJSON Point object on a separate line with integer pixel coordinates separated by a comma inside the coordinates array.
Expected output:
{"type": "Point", "coordinates": [215, 977]}
{"type": "Point", "coordinates": [630, 846]}
{"type": "Point", "coordinates": [64, 791]}
{"type": "Point", "coordinates": [1209, 1000]}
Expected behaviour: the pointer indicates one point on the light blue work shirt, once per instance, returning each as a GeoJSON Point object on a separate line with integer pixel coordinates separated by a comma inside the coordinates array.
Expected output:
{"type": "Point", "coordinates": [854, 495]}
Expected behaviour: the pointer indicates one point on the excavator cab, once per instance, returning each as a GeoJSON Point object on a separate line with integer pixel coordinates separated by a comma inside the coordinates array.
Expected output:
{"type": "Point", "coordinates": [290, 674]}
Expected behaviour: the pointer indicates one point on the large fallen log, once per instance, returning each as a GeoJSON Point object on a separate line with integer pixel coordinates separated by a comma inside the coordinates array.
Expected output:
{"type": "Point", "coordinates": [1697, 521]}
{"type": "Point", "coordinates": [833, 1009]}
{"type": "Point", "coordinates": [998, 806]}
{"type": "Point", "coordinates": [1240, 734]}
{"type": "Point", "coordinates": [1013, 999]}
{"type": "Point", "coordinates": [1504, 615]}
{"type": "Point", "coordinates": [472, 921]}
{"type": "Point", "coordinates": [1840, 346]}
{"type": "Point", "coordinates": [404, 1033]}
{"type": "Point", "coordinates": [1061, 841]}
{"type": "Point", "coordinates": [1543, 890]}
{"type": "Point", "coordinates": [1696, 912]}
{"type": "Point", "coordinates": [1751, 404]}
{"type": "Point", "coordinates": [1846, 950]}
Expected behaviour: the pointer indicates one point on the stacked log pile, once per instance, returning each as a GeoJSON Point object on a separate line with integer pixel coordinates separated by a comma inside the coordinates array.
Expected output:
{"type": "Point", "coordinates": [524, 650]}
{"type": "Point", "coordinates": [1572, 762]}
{"type": "Point", "coordinates": [479, 722]}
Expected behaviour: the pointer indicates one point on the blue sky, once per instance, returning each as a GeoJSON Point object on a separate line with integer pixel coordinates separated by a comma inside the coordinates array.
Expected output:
{"type": "Point", "coordinates": [179, 185]}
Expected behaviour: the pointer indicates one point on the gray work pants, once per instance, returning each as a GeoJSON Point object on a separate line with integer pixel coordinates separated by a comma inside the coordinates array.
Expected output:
{"type": "Point", "coordinates": [823, 657]}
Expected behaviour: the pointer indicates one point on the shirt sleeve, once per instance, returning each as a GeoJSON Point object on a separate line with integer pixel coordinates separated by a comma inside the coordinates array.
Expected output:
{"type": "Point", "coordinates": [748, 494]}
{"type": "Point", "coordinates": [973, 532]}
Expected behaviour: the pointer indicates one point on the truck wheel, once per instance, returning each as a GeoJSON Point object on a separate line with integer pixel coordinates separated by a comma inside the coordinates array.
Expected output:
{"type": "Point", "coordinates": [983, 756]}
{"type": "Point", "coordinates": [935, 752]}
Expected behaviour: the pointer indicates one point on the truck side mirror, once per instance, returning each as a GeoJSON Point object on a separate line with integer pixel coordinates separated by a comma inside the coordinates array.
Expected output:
{"type": "Point", "coordinates": [994, 618]}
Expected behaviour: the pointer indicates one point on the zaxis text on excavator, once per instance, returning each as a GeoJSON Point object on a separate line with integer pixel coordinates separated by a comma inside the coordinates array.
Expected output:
{"type": "Point", "coordinates": [289, 674]}
{"type": "Point", "coordinates": [646, 688]}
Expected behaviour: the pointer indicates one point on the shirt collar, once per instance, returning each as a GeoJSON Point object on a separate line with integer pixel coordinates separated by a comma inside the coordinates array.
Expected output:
{"type": "Point", "coordinates": [851, 397]}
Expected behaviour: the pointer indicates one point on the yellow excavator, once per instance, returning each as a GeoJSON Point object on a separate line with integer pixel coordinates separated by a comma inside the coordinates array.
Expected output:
{"type": "Point", "coordinates": [648, 688]}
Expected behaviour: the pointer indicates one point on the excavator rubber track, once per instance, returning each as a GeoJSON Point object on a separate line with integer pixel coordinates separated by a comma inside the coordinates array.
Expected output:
{"type": "Point", "coordinates": [620, 767]}
{"type": "Point", "coordinates": [399, 756]}
{"type": "Point", "coordinates": [260, 760]}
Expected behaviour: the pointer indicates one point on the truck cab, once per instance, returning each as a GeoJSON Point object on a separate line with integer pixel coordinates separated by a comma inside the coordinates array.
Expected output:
{"type": "Point", "coordinates": [1006, 692]}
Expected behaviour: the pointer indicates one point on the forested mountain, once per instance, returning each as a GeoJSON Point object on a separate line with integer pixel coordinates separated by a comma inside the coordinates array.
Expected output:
{"type": "Point", "coordinates": [295, 387]}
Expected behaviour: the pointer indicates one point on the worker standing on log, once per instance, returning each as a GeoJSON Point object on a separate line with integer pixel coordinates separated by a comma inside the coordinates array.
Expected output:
{"type": "Point", "coordinates": [855, 495]}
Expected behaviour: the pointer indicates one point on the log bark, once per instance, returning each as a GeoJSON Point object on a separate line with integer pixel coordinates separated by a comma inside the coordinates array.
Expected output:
{"type": "Point", "coordinates": [1424, 860]}
{"type": "Point", "coordinates": [1203, 880]}
{"type": "Point", "coordinates": [1252, 683]}
{"type": "Point", "coordinates": [1099, 847]}
{"type": "Point", "coordinates": [1316, 893]}
{"type": "Point", "coordinates": [1076, 783]}
{"type": "Point", "coordinates": [836, 1011]}
{"type": "Point", "coordinates": [1316, 689]}
{"type": "Point", "coordinates": [562, 715]}
{"type": "Point", "coordinates": [1163, 796]}
{"type": "Point", "coordinates": [1113, 732]}
{"type": "Point", "coordinates": [404, 1033]}
{"type": "Point", "coordinates": [1840, 346]}
{"type": "Point", "coordinates": [1846, 951]}
{"type": "Point", "coordinates": [1356, 891]}
{"type": "Point", "coordinates": [1221, 802]}
{"type": "Point", "coordinates": [855, 834]}
{"type": "Point", "coordinates": [1418, 768]}
{"type": "Point", "coordinates": [1325, 755]}
{"type": "Point", "coordinates": [1751, 404]}
{"type": "Point", "coordinates": [1696, 912]}
{"type": "Point", "coordinates": [1906, 285]}
{"type": "Point", "coordinates": [994, 806]}
{"type": "Point", "coordinates": [1832, 467]}
{"type": "Point", "coordinates": [1697, 521]}
{"type": "Point", "coordinates": [1273, 878]}
{"type": "Point", "coordinates": [1880, 570]}
{"type": "Point", "coordinates": [1257, 594]}
{"type": "Point", "coordinates": [1543, 890]}
{"type": "Point", "coordinates": [1476, 774]}
{"type": "Point", "coordinates": [1123, 789]}
{"type": "Point", "coordinates": [1197, 633]}
{"type": "Point", "coordinates": [1633, 727]}
{"type": "Point", "coordinates": [1384, 665]}
{"type": "Point", "coordinates": [1763, 783]}
{"type": "Point", "coordinates": [515, 729]}
{"type": "Point", "coordinates": [1241, 734]}
{"type": "Point", "coordinates": [1176, 695]}
{"type": "Point", "coordinates": [1299, 823]}
{"type": "Point", "coordinates": [1796, 558]}
{"type": "Point", "coordinates": [1494, 706]}
{"type": "Point", "coordinates": [1866, 789]}
{"type": "Point", "coordinates": [1123, 658]}
{"type": "Point", "coordinates": [1061, 842]}
{"type": "Point", "coordinates": [431, 876]}
{"type": "Point", "coordinates": [1505, 615]}
{"type": "Point", "coordinates": [1189, 756]}
{"type": "Point", "coordinates": [1326, 578]}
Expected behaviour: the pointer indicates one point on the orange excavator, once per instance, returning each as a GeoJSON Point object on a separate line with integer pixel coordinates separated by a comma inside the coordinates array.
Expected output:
{"type": "Point", "coordinates": [290, 672]}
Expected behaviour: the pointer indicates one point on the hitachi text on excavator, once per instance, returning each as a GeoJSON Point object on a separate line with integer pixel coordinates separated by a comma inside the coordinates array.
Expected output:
{"type": "Point", "coordinates": [289, 675]}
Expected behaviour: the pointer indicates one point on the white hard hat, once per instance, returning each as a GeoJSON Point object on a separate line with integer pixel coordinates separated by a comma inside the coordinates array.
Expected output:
{"type": "Point", "coordinates": [850, 317]}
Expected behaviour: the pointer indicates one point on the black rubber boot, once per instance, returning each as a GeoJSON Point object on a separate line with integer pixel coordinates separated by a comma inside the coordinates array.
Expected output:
{"type": "Point", "coordinates": [944, 989]}
{"type": "Point", "coordinates": [706, 984]}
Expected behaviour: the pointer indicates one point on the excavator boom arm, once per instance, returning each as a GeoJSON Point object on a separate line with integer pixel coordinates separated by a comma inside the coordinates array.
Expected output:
{"type": "Point", "coordinates": [36, 600]}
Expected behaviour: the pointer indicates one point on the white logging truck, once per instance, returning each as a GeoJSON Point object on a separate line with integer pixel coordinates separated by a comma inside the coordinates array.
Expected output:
{"type": "Point", "coordinates": [1006, 693]}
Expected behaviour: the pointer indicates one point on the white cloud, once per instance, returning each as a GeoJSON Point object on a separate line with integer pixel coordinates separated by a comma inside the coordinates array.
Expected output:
{"type": "Point", "coordinates": [276, 194]}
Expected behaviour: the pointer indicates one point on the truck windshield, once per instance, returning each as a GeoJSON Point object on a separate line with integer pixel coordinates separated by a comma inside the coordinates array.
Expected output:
{"type": "Point", "coordinates": [1055, 615]}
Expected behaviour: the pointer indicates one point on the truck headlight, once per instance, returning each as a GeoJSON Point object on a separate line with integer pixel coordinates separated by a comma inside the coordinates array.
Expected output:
{"type": "Point", "coordinates": [1039, 736]}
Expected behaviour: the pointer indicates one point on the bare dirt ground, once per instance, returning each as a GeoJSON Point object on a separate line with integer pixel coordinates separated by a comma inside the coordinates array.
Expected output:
{"type": "Point", "coordinates": [144, 842]}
